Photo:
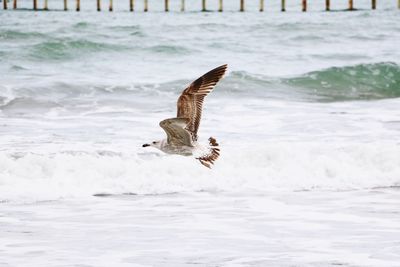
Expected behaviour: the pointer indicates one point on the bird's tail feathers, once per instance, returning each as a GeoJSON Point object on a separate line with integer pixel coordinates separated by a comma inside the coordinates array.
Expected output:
{"type": "Point", "coordinates": [209, 158]}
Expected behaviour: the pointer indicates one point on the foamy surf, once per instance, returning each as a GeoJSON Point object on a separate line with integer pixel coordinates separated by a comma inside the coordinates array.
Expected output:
{"type": "Point", "coordinates": [251, 168]}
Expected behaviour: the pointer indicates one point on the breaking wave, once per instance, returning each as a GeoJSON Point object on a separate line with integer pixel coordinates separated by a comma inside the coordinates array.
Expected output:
{"type": "Point", "coordinates": [360, 82]}
{"type": "Point", "coordinates": [277, 166]}
{"type": "Point", "coordinates": [350, 83]}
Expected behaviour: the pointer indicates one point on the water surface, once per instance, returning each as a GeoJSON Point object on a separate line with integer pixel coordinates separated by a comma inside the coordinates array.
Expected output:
{"type": "Point", "coordinates": [307, 118]}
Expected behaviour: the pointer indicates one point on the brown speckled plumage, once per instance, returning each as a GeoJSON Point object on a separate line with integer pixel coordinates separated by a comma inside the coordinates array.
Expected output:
{"type": "Point", "coordinates": [190, 103]}
{"type": "Point", "coordinates": [182, 131]}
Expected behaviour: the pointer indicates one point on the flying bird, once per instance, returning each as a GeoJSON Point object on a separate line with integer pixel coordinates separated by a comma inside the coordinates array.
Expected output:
{"type": "Point", "coordinates": [182, 130]}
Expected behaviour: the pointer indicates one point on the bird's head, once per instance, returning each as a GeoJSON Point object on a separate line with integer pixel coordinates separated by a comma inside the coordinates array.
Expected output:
{"type": "Point", "coordinates": [156, 144]}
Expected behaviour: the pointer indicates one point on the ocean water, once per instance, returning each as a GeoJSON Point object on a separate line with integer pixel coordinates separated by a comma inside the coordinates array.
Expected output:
{"type": "Point", "coordinates": [307, 118]}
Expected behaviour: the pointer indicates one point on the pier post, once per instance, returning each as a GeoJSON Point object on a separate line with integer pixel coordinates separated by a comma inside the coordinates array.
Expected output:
{"type": "Point", "coordinates": [166, 6]}
{"type": "Point", "coordinates": [304, 5]}
{"type": "Point", "coordinates": [221, 6]}
{"type": "Point", "coordinates": [373, 4]}
{"type": "Point", "coordinates": [146, 5]}
{"type": "Point", "coordinates": [241, 5]}
{"type": "Point", "coordinates": [182, 5]}
{"type": "Point", "coordinates": [65, 5]}
{"type": "Point", "coordinates": [283, 5]}
{"type": "Point", "coordinates": [46, 5]}
{"type": "Point", "coordinates": [34, 4]}
{"type": "Point", "coordinates": [4, 4]}
{"type": "Point", "coordinates": [131, 5]}
{"type": "Point", "coordinates": [15, 4]}
{"type": "Point", "coordinates": [327, 5]}
{"type": "Point", "coordinates": [398, 4]}
{"type": "Point", "coordinates": [203, 5]}
{"type": "Point", "coordinates": [78, 5]}
{"type": "Point", "coordinates": [261, 5]}
{"type": "Point", "coordinates": [110, 8]}
{"type": "Point", "coordinates": [351, 6]}
{"type": "Point", "coordinates": [98, 5]}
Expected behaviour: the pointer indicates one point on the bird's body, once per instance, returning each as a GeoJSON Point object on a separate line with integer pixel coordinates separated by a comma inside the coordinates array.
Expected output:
{"type": "Point", "coordinates": [183, 150]}
{"type": "Point", "coordinates": [182, 130]}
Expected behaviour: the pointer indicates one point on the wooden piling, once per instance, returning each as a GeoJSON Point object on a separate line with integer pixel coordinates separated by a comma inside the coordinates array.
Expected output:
{"type": "Point", "coordinates": [110, 8]}
{"type": "Point", "coordinates": [221, 6]}
{"type": "Point", "coordinates": [65, 5]}
{"type": "Point", "coordinates": [351, 6]}
{"type": "Point", "coordinates": [261, 5]}
{"type": "Point", "coordinates": [34, 4]}
{"type": "Point", "coordinates": [131, 5]}
{"type": "Point", "coordinates": [4, 4]}
{"type": "Point", "coordinates": [241, 5]}
{"type": "Point", "coordinates": [373, 4]}
{"type": "Point", "coordinates": [15, 4]}
{"type": "Point", "coordinates": [146, 5]}
{"type": "Point", "coordinates": [182, 5]}
{"type": "Point", "coordinates": [203, 5]}
{"type": "Point", "coordinates": [98, 5]}
{"type": "Point", "coordinates": [398, 4]}
{"type": "Point", "coordinates": [78, 5]}
{"type": "Point", "coordinates": [46, 5]}
{"type": "Point", "coordinates": [283, 5]}
{"type": "Point", "coordinates": [327, 5]}
{"type": "Point", "coordinates": [304, 5]}
{"type": "Point", "coordinates": [166, 5]}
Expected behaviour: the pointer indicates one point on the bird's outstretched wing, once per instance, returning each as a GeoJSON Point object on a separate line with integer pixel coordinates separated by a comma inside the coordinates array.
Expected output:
{"type": "Point", "coordinates": [177, 135]}
{"type": "Point", "coordinates": [190, 102]}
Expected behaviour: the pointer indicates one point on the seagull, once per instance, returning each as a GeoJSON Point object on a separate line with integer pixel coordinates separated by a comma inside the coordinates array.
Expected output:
{"type": "Point", "coordinates": [182, 130]}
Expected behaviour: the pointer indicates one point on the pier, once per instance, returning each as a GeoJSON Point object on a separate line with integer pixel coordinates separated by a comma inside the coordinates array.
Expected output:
{"type": "Point", "coordinates": [131, 5]}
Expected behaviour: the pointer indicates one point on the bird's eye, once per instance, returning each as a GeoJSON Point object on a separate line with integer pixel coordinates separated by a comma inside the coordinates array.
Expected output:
{"type": "Point", "coordinates": [154, 143]}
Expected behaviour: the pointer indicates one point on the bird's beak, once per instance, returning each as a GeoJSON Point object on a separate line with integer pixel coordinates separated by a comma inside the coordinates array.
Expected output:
{"type": "Point", "coordinates": [145, 145]}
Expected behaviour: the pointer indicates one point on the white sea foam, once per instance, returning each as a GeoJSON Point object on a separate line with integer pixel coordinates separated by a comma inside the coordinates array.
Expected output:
{"type": "Point", "coordinates": [262, 168]}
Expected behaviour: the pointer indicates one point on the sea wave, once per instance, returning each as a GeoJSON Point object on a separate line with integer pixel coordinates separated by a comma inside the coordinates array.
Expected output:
{"type": "Point", "coordinates": [13, 35]}
{"type": "Point", "coordinates": [350, 83]}
{"type": "Point", "coordinates": [169, 49]}
{"type": "Point", "coordinates": [26, 106]}
{"type": "Point", "coordinates": [277, 166]}
{"type": "Point", "coordinates": [65, 48]}
{"type": "Point", "coordinates": [29, 100]}
{"type": "Point", "coordinates": [359, 82]}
